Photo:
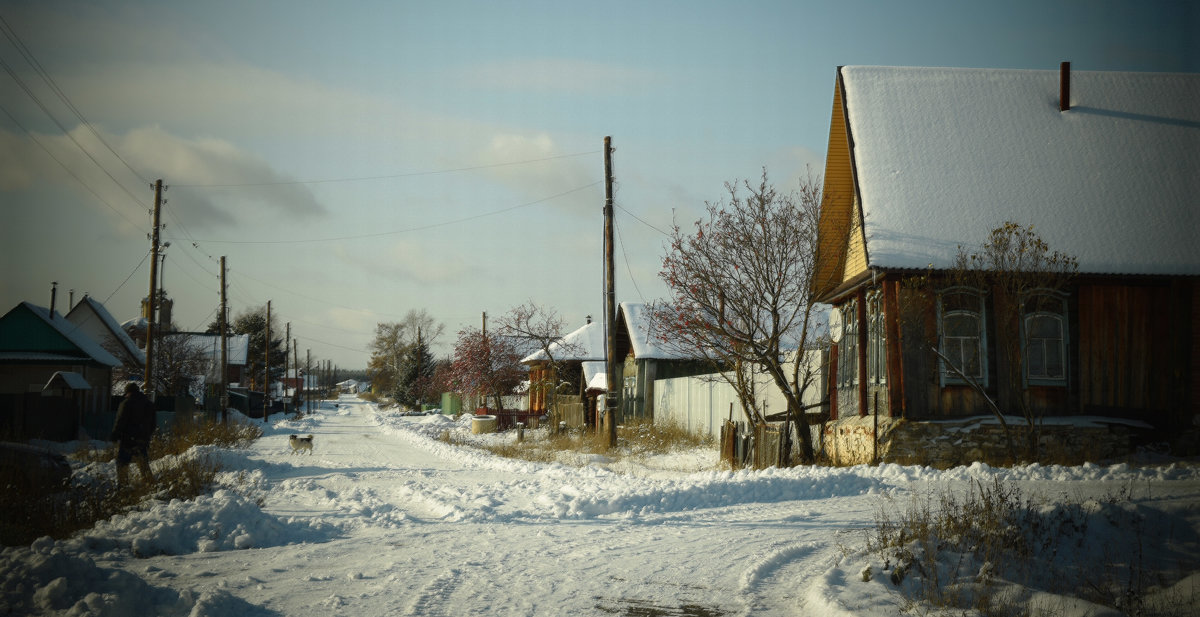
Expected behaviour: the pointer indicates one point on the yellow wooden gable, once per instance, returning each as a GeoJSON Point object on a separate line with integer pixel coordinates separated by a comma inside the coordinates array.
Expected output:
{"type": "Point", "coordinates": [841, 246]}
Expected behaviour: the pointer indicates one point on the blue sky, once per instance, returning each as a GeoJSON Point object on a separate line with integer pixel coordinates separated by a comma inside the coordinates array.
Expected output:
{"type": "Point", "coordinates": [357, 160]}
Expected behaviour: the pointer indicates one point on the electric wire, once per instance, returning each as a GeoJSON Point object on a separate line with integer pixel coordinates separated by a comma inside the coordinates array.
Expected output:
{"type": "Point", "coordinates": [64, 130]}
{"type": "Point", "coordinates": [131, 273]}
{"type": "Point", "coordinates": [410, 229]}
{"type": "Point", "coordinates": [68, 169]}
{"type": "Point", "coordinates": [628, 268]}
{"type": "Point", "coordinates": [24, 50]}
{"type": "Point", "coordinates": [641, 220]}
{"type": "Point", "coordinates": [387, 176]}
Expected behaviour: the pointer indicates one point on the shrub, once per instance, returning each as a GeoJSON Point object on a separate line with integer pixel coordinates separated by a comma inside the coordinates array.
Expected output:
{"type": "Point", "coordinates": [93, 495]}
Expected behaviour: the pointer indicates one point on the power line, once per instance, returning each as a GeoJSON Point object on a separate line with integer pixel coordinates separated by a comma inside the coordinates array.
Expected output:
{"type": "Point", "coordinates": [628, 268]}
{"type": "Point", "coordinates": [64, 130]}
{"type": "Point", "coordinates": [24, 50]}
{"type": "Point", "coordinates": [313, 340]}
{"type": "Point", "coordinates": [408, 230]}
{"type": "Point", "coordinates": [642, 221]}
{"type": "Point", "coordinates": [134, 271]}
{"type": "Point", "coordinates": [67, 169]}
{"type": "Point", "coordinates": [386, 177]}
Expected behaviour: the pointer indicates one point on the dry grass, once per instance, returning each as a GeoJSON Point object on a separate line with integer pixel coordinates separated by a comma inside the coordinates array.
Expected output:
{"type": "Point", "coordinates": [93, 495]}
{"type": "Point", "coordinates": [633, 440]}
{"type": "Point", "coordinates": [955, 553]}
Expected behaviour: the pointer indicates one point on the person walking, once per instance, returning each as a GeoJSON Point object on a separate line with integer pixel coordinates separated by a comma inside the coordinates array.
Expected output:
{"type": "Point", "coordinates": [132, 431]}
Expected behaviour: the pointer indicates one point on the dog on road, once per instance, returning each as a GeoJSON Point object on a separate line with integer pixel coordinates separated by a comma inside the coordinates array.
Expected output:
{"type": "Point", "coordinates": [301, 443]}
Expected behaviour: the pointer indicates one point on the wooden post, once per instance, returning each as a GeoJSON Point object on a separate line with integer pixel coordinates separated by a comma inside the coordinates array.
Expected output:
{"type": "Point", "coordinates": [153, 300]}
{"type": "Point", "coordinates": [224, 348]}
{"type": "Point", "coordinates": [610, 302]}
{"type": "Point", "coordinates": [267, 366]}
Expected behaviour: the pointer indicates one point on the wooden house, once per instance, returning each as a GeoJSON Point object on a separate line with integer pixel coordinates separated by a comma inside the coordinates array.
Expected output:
{"type": "Point", "coordinates": [94, 320]}
{"type": "Point", "coordinates": [53, 376]}
{"type": "Point", "coordinates": [1103, 166]}
{"type": "Point", "coordinates": [642, 359]}
{"type": "Point", "coordinates": [560, 378]}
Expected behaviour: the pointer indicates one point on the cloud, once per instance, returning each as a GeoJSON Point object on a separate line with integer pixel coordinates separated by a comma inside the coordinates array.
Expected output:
{"type": "Point", "coordinates": [154, 153]}
{"type": "Point", "coordinates": [560, 76]}
{"type": "Point", "coordinates": [552, 173]}
{"type": "Point", "coordinates": [404, 262]}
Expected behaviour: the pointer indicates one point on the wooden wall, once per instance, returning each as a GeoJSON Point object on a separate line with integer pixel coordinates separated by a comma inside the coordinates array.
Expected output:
{"type": "Point", "coordinates": [1134, 353]}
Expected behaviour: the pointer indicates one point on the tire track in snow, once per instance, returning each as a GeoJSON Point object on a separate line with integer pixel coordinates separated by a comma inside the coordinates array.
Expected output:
{"type": "Point", "coordinates": [429, 602]}
{"type": "Point", "coordinates": [785, 566]}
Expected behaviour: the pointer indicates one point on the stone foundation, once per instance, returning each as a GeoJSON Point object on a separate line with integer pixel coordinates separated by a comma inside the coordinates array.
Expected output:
{"type": "Point", "coordinates": [949, 443]}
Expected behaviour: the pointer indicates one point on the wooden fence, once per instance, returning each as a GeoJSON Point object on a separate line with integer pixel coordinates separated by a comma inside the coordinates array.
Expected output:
{"type": "Point", "coordinates": [757, 446]}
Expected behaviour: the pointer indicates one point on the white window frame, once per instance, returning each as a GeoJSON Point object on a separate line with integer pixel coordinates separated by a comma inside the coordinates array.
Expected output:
{"type": "Point", "coordinates": [876, 340]}
{"type": "Point", "coordinates": [1059, 299]}
{"type": "Point", "coordinates": [946, 377]}
{"type": "Point", "coordinates": [848, 352]}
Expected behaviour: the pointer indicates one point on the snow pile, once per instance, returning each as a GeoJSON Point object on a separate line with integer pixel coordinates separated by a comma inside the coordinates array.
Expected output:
{"type": "Point", "coordinates": [46, 579]}
{"type": "Point", "coordinates": [1070, 558]}
{"type": "Point", "coordinates": [222, 521]}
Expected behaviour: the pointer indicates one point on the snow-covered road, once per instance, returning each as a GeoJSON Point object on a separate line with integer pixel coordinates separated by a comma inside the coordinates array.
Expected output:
{"type": "Point", "coordinates": [423, 528]}
{"type": "Point", "coordinates": [384, 519]}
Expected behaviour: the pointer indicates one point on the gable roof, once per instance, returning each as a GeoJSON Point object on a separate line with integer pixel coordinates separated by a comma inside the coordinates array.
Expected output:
{"type": "Point", "coordinates": [237, 346]}
{"type": "Point", "coordinates": [580, 345]}
{"type": "Point", "coordinates": [30, 333]}
{"type": "Point", "coordinates": [644, 340]}
{"type": "Point", "coordinates": [92, 317]}
{"type": "Point", "coordinates": [941, 156]}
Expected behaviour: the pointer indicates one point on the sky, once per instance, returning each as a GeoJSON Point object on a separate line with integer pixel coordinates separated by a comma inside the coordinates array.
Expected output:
{"type": "Point", "coordinates": [358, 161]}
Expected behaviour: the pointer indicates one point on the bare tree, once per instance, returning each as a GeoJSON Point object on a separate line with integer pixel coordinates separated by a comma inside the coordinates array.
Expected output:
{"type": "Point", "coordinates": [180, 362]}
{"type": "Point", "coordinates": [393, 346]}
{"type": "Point", "coordinates": [741, 293]}
{"type": "Point", "coordinates": [1025, 278]}
{"type": "Point", "coordinates": [486, 365]}
{"type": "Point", "coordinates": [537, 329]}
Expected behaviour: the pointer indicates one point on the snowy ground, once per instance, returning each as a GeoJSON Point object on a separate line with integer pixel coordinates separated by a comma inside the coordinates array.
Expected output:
{"type": "Point", "coordinates": [383, 519]}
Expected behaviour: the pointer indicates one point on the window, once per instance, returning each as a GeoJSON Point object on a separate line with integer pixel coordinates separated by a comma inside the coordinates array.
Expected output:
{"type": "Point", "coordinates": [876, 340]}
{"type": "Point", "coordinates": [961, 329]}
{"type": "Point", "coordinates": [1044, 339]}
{"type": "Point", "coordinates": [848, 348]}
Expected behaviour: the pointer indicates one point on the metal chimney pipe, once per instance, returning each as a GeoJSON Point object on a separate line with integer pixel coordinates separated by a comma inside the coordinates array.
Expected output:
{"type": "Point", "coordinates": [53, 296]}
{"type": "Point", "coordinates": [1064, 86]}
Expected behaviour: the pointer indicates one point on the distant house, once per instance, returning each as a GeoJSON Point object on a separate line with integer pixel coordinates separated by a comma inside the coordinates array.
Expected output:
{"type": "Point", "coordinates": [570, 366]}
{"type": "Point", "coordinates": [54, 378]}
{"type": "Point", "coordinates": [93, 319]}
{"type": "Point", "coordinates": [1105, 167]}
{"type": "Point", "coordinates": [206, 388]}
{"type": "Point", "coordinates": [237, 352]}
{"type": "Point", "coordinates": [642, 360]}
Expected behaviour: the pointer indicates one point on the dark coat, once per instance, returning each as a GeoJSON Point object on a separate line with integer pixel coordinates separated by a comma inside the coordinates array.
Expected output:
{"type": "Point", "coordinates": [135, 420]}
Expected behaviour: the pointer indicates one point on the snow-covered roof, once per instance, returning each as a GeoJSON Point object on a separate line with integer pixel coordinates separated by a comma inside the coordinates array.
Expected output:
{"type": "Point", "coordinates": [71, 332]}
{"type": "Point", "coordinates": [646, 345]}
{"type": "Point", "coordinates": [67, 379]}
{"type": "Point", "coordinates": [582, 344]}
{"type": "Point", "coordinates": [942, 156]}
{"type": "Point", "coordinates": [595, 375]}
{"type": "Point", "coordinates": [88, 309]}
{"type": "Point", "coordinates": [237, 346]}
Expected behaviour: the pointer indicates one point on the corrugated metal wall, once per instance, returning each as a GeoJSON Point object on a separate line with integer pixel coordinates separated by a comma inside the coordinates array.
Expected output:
{"type": "Point", "coordinates": [701, 403]}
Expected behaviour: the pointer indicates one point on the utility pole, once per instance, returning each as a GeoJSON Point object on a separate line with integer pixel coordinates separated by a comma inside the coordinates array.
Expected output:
{"type": "Point", "coordinates": [267, 367]}
{"type": "Point", "coordinates": [307, 370]}
{"type": "Point", "coordinates": [610, 302]}
{"type": "Point", "coordinates": [296, 389]}
{"type": "Point", "coordinates": [224, 347]}
{"type": "Point", "coordinates": [153, 301]}
{"type": "Point", "coordinates": [287, 342]}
